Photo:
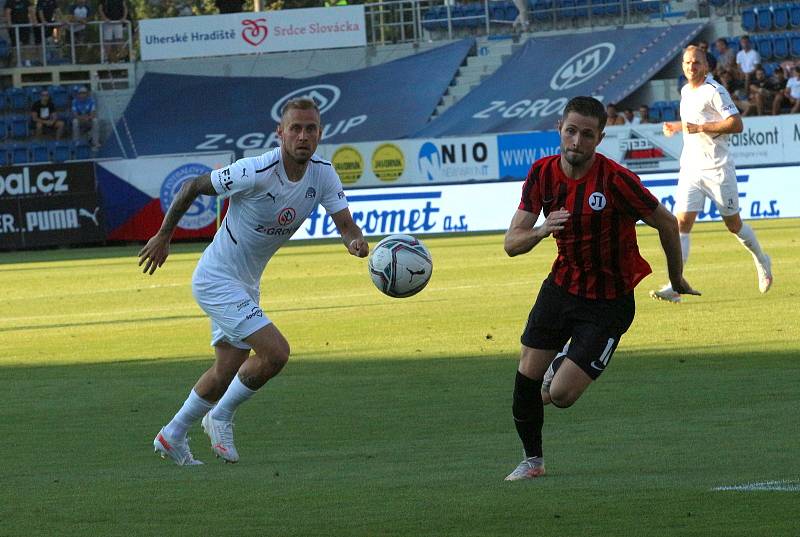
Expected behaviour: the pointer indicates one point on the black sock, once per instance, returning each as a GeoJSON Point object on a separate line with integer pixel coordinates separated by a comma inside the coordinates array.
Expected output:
{"type": "Point", "coordinates": [528, 411]}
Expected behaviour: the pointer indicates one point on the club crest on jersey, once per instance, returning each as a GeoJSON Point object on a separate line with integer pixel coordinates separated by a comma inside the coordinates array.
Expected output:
{"type": "Point", "coordinates": [286, 216]}
{"type": "Point", "coordinates": [597, 201]}
{"type": "Point", "coordinates": [311, 193]}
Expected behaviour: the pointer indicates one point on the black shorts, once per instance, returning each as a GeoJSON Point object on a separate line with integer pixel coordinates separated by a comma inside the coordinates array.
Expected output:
{"type": "Point", "coordinates": [593, 327]}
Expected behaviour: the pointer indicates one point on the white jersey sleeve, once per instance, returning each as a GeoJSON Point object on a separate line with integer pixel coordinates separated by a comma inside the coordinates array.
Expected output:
{"type": "Point", "coordinates": [236, 177]}
{"type": "Point", "coordinates": [333, 198]}
{"type": "Point", "coordinates": [723, 102]}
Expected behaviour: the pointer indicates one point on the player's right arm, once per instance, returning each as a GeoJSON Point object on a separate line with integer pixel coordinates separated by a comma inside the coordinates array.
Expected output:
{"type": "Point", "coordinates": [523, 235]}
{"type": "Point", "coordinates": [156, 251]}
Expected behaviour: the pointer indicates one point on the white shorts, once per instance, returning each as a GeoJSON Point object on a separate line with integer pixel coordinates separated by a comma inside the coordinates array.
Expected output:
{"type": "Point", "coordinates": [719, 184]}
{"type": "Point", "coordinates": [112, 31]}
{"type": "Point", "coordinates": [234, 311]}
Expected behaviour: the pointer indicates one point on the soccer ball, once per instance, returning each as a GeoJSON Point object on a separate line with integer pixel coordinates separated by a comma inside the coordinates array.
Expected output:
{"type": "Point", "coordinates": [400, 266]}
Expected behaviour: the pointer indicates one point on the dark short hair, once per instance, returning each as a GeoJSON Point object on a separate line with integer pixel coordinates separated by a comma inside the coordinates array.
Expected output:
{"type": "Point", "coordinates": [589, 107]}
{"type": "Point", "coordinates": [301, 103]}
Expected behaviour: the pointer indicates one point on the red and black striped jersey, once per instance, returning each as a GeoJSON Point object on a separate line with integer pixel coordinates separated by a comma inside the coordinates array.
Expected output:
{"type": "Point", "coordinates": [598, 256]}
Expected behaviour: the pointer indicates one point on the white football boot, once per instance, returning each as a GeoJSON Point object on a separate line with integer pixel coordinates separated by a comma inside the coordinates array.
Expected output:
{"type": "Point", "coordinates": [177, 450]}
{"type": "Point", "coordinates": [221, 435]}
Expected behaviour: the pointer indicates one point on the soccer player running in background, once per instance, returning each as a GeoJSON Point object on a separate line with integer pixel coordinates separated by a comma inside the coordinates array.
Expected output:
{"type": "Point", "coordinates": [591, 205]}
{"type": "Point", "coordinates": [270, 197]}
{"type": "Point", "coordinates": [708, 115]}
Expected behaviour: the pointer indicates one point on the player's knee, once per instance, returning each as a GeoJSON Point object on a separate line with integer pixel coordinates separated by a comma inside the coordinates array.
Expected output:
{"type": "Point", "coordinates": [562, 401]}
{"type": "Point", "coordinates": [734, 226]}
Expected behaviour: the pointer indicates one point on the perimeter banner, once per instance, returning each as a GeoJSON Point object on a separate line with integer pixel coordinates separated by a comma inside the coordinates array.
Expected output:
{"type": "Point", "coordinates": [251, 33]}
{"type": "Point", "coordinates": [49, 205]}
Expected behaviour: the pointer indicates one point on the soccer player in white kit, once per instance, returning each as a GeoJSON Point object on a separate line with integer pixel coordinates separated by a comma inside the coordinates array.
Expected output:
{"type": "Point", "coordinates": [708, 115]}
{"type": "Point", "coordinates": [270, 197]}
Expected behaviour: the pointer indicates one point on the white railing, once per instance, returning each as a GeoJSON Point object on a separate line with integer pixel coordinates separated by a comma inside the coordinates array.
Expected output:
{"type": "Point", "coordinates": [76, 44]}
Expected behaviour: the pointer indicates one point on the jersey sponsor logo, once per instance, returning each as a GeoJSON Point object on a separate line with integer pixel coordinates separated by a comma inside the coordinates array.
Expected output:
{"type": "Point", "coordinates": [254, 312]}
{"type": "Point", "coordinates": [286, 216]}
{"type": "Point", "coordinates": [203, 211]}
{"type": "Point", "coordinates": [325, 95]}
{"type": "Point", "coordinates": [255, 31]}
{"type": "Point", "coordinates": [582, 66]}
{"type": "Point", "coordinates": [311, 193]}
{"type": "Point", "coordinates": [597, 201]}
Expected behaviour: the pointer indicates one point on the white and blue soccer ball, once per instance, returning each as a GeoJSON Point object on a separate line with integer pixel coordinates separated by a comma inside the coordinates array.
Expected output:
{"type": "Point", "coordinates": [400, 266]}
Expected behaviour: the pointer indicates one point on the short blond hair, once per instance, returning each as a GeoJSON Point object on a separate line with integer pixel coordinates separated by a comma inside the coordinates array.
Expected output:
{"type": "Point", "coordinates": [301, 103]}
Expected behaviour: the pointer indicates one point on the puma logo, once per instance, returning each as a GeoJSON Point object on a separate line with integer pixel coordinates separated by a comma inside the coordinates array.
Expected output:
{"type": "Point", "coordinates": [92, 216]}
{"type": "Point", "coordinates": [269, 194]}
{"type": "Point", "coordinates": [413, 273]}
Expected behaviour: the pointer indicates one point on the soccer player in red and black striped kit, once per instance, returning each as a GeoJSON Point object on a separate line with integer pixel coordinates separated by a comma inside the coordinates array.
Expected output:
{"type": "Point", "coordinates": [591, 205]}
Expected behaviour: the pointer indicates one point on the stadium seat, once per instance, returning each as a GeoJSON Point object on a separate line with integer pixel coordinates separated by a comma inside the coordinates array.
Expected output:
{"type": "Point", "coordinates": [749, 20]}
{"type": "Point", "coordinates": [566, 9]}
{"type": "Point", "coordinates": [794, 16]}
{"type": "Point", "coordinates": [60, 96]}
{"type": "Point", "coordinates": [60, 151]}
{"type": "Point", "coordinates": [5, 49]}
{"type": "Point", "coordinates": [476, 15]}
{"type": "Point", "coordinates": [582, 9]}
{"type": "Point", "coordinates": [780, 17]}
{"type": "Point", "coordinates": [718, 3]}
{"type": "Point", "coordinates": [764, 16]}
{"type": "Point", "coordinates": [769, 68]}
{"type": "Point", "coordinates": [17, 99]}
{"type": "Point", "coordinates": [764, 47]}
{"type": "Point", "coordinates": [20, 153]}
{"type": "Point", "coordinates": [81, 150]}
{"type": "Point", "coordinates": [733, 44]}
{"type": "Point", "coordinates": [4, 127]}
{"type": "Point", "coordinates": [3, 102]}
{"type": "Point", "coordinates": [33, 93]}
{"type": "Point", "coordinates": [39, 152]}
{"type": "Point", "coordinates": [542, 11]}
{"type": "Point", "coordinates": [5, 158]}
{"type": "Point", "coordinates": [598, 8]}
{"type": "Point", "coordinates": [614, 8]}
{"type": "Point", "coordinates": [20, 126]}
{"type": "Point", "coordinates": [795, 42]}
{"type": "Point", "coordinates": [780, 46]}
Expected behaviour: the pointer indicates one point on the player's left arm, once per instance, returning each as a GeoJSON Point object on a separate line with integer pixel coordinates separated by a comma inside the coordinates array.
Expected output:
{"type": "Point", "coordinates": [352, 237]}
{"type": "Point", "coordinates": [667, 225]}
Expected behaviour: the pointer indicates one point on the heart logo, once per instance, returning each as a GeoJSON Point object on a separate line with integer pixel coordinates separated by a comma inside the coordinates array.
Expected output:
{"type": "Point", "coordinates": [255, 31]}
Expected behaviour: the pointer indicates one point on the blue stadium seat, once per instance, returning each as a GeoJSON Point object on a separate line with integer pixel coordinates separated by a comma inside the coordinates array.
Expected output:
{"type": "Point", "coordinates": [5, 49]}
{"type": "Point", "coordinates": [39, 152]}
{"type": "Point", "coordinates": [733, 44]}
{"type": "Point", "coordinates": [17, 99]}
{"type": "Point", "coordinates": [795, 42]}
{"type": "Point", "coordinates": [614, 8]}
{"type": "Point", "coordinates": [582, 9]}
{"type": "Point", "coordinates": [81, 150]}
{"type": "Point", "coordinates": [794, 16]}
{"type": "Point", "coordinates": [60, 151]}
{"type": "Point", "coordinates": [5, 157]}
{"type": "Point", "coordinates": [780, 46]}
{"type": "Point", "coordinates": [4, 127]}
{"type": "Point", "coordinates": [3, 102]}
{"type": "Point", "coordinates": [457, 14]}
{"type": "Point", "coordinates": [20, 153]}
{"type": "Point", "coordinates": [598, 8]}
{"type": "Point", "coordinates": [749, 20]}
{"type": "Point", "coordinates": [476, 15]}
{"type": "Point", "coordinates": [566, 9]}
{"type": "Point", "coordinates": [20, 126]}
{"type": "Point", "coordinates": [780, 17]}
{"type": "Point", "coordinates": [764, 47]}
{"type": "Point", "coordinates": [59, 95]}
{"type": "Point", "coordinates": [542, 11]}
{"type": "Point", "coordinates": [33, 93]}
{"type": "Point", "coordinates": [764, 19]}
{"type": "Point", "coordinates": [769, 68]}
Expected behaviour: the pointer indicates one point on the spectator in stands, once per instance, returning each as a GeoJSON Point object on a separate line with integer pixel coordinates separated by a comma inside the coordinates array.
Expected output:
{"type": "Point", "coordinates": [230, 6]}
{"type": "Point", "coordinates": [79, 14]}
{"type": "Point", "coordinates": [791, 94]}
{"type": "Point", "coordinates": [523, 21]}
{"type": "Point", "coordinates": [747, 59]}
{"type": "Point", "coordinates": [18, 13]}
{"type": "Point", "coordinates": [49, 15]}
{"type": "Point", "coordinates": [84, 117]}
{"type": "Point", "coordinates": [44, 116]}
{"type": "Point", "coordinates": [629, 117]}
{"type": "Point", "coordinates": [613, 116]}
{"type": "Point", "coordinates": [114, 14]}
{"type": "Point", "coordinates": [736, 90]}
{"type": "Point", "coordinates": [777, 83]}
{"type": "Point", "coordinates": [644, 114]}
{"type": "Point", "coordinates": [710, 59]}
{"type": "Point", "coordinates": [726, 56]}
{"type": "Point", "coordinates": [760, 93]}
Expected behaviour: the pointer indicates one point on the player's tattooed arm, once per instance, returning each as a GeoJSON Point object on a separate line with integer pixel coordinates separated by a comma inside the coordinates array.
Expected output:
{"type": "Point", "coordinates": [156, 251]}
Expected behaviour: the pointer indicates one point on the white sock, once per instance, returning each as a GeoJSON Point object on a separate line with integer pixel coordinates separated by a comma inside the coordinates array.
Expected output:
{"type": "Point", "coordinates": [194, 408]}
{"type": "Point", "coordinates": [684, 246]}
{"type": "Point", "coordinates": [236, 394]}
{"type": "Point", "coordinates": [748, 239]}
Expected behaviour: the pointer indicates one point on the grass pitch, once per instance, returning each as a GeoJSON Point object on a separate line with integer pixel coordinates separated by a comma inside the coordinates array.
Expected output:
{"type": "Point", "coordinates": [393, 416]}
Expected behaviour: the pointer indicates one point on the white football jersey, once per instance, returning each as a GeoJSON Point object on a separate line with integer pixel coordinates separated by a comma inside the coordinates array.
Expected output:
{"type": "Point", "coordinates": [264, 211]}
{"type": "Point", "coordinates": [709, 103]}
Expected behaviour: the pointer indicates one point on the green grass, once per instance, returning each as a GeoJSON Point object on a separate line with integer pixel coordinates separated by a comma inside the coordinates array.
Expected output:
{"type": "Point", "coordinates": [393, 416]}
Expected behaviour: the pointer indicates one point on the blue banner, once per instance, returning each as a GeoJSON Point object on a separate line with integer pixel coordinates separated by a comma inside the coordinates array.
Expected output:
{"type": "Point", "coordinates": [185, 114]}
{"type": "Point", "coordinates": [529, 91]}
{"type": "Point", "coordinates": [516, 152]}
